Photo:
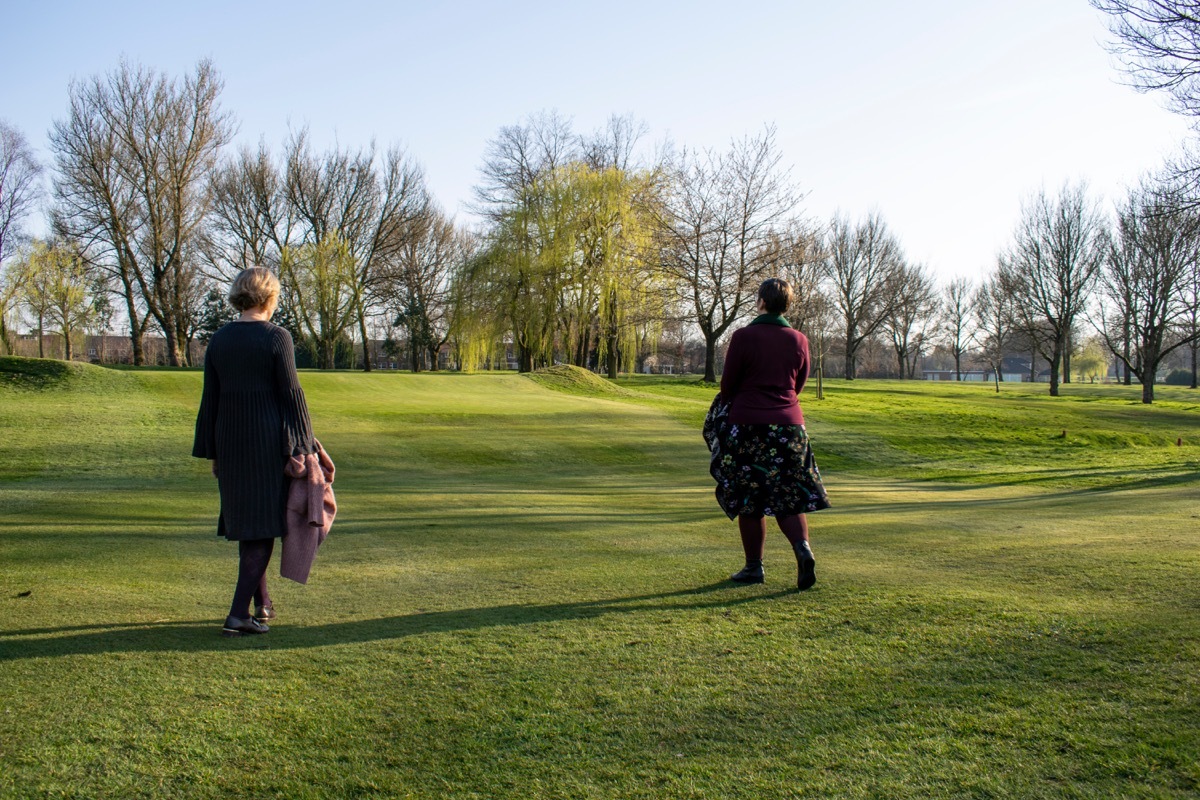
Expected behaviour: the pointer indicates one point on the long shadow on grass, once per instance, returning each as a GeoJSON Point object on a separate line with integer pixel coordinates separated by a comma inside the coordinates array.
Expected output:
{"type": "Point", "coordinates": [198, 636]}
{"type": "Point", "coordinates": [943, 492]}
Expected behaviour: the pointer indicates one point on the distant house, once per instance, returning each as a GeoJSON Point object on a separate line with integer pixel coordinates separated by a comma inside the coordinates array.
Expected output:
{"type": "Point", "coordinates": [972, 375]}
{"type": "Point", "coordinates": [106, 349]}
{"type": "Point", "coordinates": [950, 375]}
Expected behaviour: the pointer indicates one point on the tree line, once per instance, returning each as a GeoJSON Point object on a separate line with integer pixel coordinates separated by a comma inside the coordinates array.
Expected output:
{"type": "Point", "coordinates": [584, 248]}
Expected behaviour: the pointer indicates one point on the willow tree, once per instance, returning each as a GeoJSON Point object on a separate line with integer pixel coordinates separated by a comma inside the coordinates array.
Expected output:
{"type": "Point", "coordinates": [614, 227]}
{"type": "Point", "coordinates": [55, 282]}
{"type": "Point", "coordinates": [319, 279]}
{"type": "Point", "coordinates": [566, 269]}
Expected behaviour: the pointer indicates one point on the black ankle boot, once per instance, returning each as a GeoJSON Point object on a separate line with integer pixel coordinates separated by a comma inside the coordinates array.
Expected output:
{"type": "Point", "coordinates": [243, 627]}
{"type": "Point", "coordinates": [751, 573]}
{"type": "Point", "coordinates": [806, 566]}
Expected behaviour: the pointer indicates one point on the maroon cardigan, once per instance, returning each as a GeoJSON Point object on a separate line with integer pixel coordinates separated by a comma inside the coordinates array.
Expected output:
{"type": "Point", "coordinates": [765, 368]}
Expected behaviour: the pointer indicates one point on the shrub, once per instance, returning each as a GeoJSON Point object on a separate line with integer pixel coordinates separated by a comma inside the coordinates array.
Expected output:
{"type": "Point", "coordinates": [1179, 377]}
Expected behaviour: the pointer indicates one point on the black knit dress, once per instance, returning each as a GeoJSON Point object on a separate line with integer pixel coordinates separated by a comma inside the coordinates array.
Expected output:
{"type": "Point", "coordinates": [252, 418]}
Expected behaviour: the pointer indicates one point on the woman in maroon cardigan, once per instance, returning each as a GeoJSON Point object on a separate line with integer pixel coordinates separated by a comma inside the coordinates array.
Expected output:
{"type": "Point", "coordinates": [766, 467]}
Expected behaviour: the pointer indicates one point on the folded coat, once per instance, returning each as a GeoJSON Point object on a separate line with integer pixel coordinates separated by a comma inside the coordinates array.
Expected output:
{"type": "Point", "coordinates": [310, 512]}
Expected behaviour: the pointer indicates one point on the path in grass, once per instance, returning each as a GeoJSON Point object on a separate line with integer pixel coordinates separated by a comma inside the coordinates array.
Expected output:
{"type": "Point", "coordinates": [522, 598]}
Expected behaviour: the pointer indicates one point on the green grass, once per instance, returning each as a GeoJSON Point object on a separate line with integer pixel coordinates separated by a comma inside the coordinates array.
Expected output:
{"type": "Point", "coordinates": [967, 433]}
{"type": "Point", "coordinates": [522, 597]}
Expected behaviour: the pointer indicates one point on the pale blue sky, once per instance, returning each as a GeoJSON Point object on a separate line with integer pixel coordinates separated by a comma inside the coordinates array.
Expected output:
{"type": "Point", "coordinates": [941, 115]}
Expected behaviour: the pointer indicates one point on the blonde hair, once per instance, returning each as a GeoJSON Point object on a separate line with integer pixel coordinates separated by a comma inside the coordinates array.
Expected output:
{"type": "Point", "coordinates": [253, 288]}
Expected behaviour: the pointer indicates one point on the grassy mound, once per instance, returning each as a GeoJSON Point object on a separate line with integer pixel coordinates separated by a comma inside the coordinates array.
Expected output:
{"type": "Point", "coordinates": [49, 373]}
{"type": "Point", "coordinates": [577, 381]}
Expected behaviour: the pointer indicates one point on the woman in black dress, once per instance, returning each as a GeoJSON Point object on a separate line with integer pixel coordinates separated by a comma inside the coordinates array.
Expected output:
{"type": "Point", "coordinates": [252, 419]}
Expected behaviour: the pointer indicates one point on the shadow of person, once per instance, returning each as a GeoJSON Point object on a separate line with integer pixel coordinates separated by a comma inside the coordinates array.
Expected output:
{"type": "Point", "coordinates": [202, 635]}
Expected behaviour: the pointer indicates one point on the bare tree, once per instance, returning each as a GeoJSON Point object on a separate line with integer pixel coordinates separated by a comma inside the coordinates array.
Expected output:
{"type": "Point", "coordinates": [20, 193]}
{"type": "Point", "coordinates": [1159, 43]}
{"type": "Point", "coordinates": [718, 224]}
{"type": "Point", "coordinates": [995, 327]}
{"type": "Point", "coordinates": [368, 203]}
{"type": "Point", "coordinates": [1190, 325]}
{"type": "Point", "coordinates": [134, 156]}
{"type": "Point", "coordinates": [370, 208]}
{"type": "Point", "coordinates": [1145, 275]}
{"type": "Point", "coordinates": [20, 186]}
{"type": "Point", "coordinates": [955, 322]}
{"type": "Point", "coordinates": [417, 283]}
{"type": "Point", "coordinates": [517, 158]}
{"type": "Point", "coordinates": [860, 261]}
{"type": "Point", "coordinates": [613, 146]}
{"type": "Point", "coordinates": [1052, 266]}
{"type": "Point", "coordinates": [911, 313]}
{"type": "Point", "coordinates": [251, 222]}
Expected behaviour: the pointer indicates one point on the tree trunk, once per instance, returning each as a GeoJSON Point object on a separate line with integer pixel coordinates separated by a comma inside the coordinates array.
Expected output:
{"type": "Point", "coordinates": [1195, 347]}
{"type": "Point", "coordinates": [1125, 360]}
{"type": "Point", "coordinates": [957, 366]}
{"type": "Point", "coordinates": [524, 359]}
{"type": "Point", "coordinates": [849, 364]}
{"type": "Point", "coordinates": [1148, 387]}
{"type": "Point", "coordinates": [710, 358]}
{"type": "Point", "coordinates": [366, 343]}
{"type": "Point", "coordinates": [41, 339]}
{"type": "Point", "coordinates": [67, 354]}
{"type": "Point", "coordinates": [1055, 363]}
{"type": "Point", "coordinates": [172, 346]}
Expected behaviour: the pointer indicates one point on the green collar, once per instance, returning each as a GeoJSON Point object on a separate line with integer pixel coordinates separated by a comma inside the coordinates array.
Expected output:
{"type": "Point", "coordinates": [771, 319]}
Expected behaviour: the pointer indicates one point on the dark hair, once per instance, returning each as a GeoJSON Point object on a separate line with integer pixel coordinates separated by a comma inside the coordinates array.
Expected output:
{"type": "Point", "coordinates": [776, 294]}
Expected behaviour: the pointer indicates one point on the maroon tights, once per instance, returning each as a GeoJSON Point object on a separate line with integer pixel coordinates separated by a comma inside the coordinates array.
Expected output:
{"type": "Point", "coordinates": [754, 533]}
{"type": "Point", "coordinates": [253, 557]}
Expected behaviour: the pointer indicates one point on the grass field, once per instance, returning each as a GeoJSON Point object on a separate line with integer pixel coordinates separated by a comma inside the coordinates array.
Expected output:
{"type": "Point", "coordinates": [523, 597]}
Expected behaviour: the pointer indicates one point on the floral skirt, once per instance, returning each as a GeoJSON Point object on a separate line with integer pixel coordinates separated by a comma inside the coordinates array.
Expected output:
{"type": "Point", "coordinates": [767, 470]}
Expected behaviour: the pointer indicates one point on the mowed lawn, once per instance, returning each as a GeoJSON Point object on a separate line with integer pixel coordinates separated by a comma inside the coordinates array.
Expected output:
{"type": "Point", "coordinates": [523, 597]}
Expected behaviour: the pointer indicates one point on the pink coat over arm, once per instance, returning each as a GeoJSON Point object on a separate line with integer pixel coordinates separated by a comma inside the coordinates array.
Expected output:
{"type": "Point", "coordinates": [310, 512]}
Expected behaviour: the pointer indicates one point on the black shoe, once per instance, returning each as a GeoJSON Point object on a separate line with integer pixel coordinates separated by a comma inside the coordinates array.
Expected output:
{"type": "Point", "coordinates": [264, 613]}
{"type": "Point", "coordinates": [242, 627]}
{"type": "Point", "coordinates": [806, 566]}
{"type": "Point", "coordinates": [751, 573]}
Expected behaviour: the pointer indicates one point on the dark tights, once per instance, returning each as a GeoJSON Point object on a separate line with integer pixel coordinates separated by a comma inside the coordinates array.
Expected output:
{"type": "Point", "coordinates": [254, 555]}
{"type": "Point", "coordinates": [754, 533]}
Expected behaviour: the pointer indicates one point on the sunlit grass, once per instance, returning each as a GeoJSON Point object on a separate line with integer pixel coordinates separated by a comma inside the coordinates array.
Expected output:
{"type": "Point", "coordinates": [523, 597]}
